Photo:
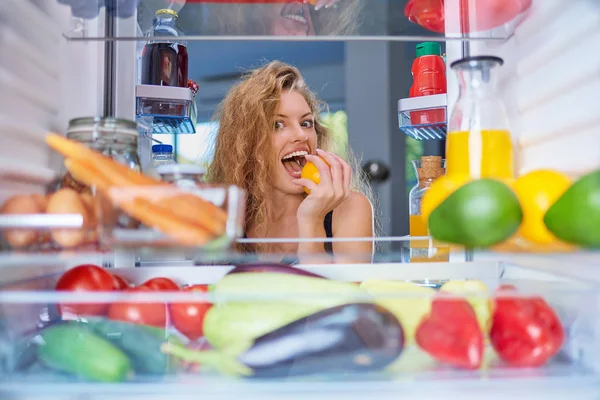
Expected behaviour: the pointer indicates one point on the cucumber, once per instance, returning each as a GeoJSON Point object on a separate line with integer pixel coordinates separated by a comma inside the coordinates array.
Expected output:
{"type": "Point", "coordinates": [141, 343]}
{"type": "Point", "coordinates": [76, 349]}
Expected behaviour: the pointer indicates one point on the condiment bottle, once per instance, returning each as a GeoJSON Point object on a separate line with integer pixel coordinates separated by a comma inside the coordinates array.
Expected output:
{"type": "Point", "coordinates": [427, 170]}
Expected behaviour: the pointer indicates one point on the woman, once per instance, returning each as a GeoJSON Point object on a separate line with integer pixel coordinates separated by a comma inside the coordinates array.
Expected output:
{"type": "Point", "coordinates": [268, 128]}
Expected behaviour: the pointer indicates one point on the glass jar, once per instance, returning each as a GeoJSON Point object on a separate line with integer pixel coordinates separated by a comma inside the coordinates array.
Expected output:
{"type": "Point", "coordinates": [183, 175]}
{"type": "Point", "coordinates": [479, 142]}
{"type": "Point", "coordinates": [162, 154]}
{"type": "Point", "coordinates": [427, 170]}
{"type": "Point", "coordinates": [115, 138]}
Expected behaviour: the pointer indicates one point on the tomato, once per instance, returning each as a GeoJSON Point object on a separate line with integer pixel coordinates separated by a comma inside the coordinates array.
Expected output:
{"type": "Point", "coordinates": [451, 333]}
{"type": "Point", "coordinates": [526, 332]}
{"type": "Point", "coordinates": [85, 278]}
{"type": "Point", "coordinates": [120, 282]}
{"type": "Point", "coordinates": [143, 313]}
{"type": "Point", "coordinates": [161, 284]}
{"type": "Point", "coordinates": [188, 318]}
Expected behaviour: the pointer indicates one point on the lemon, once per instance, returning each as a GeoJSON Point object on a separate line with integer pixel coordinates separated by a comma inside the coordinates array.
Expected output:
{"type": "Point", "coordinates": [537, 191]}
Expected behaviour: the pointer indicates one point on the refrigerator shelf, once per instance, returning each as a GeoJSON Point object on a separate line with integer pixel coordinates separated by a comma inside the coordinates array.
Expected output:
{"type": "Point", "coordinates": [165, 110]}
{"type": "Point", "coordinates": [424, 117]}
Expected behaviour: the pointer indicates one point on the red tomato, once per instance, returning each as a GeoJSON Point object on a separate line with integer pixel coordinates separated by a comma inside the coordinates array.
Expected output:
{"type": "Point", "coordinates": [525, 332]}
{"type": "Point", "coordinates": [451, 333]}
{"type": "Point", "coordinates": [154, 314]}
{"type": "Point", "coordinates": [188, 318]}
{"type": "Point", "coordinates": [120, 282]}
{"type": "Point", "coordinates": [161, 284]}
{"type": "Point", "coordinates": [85, 278]}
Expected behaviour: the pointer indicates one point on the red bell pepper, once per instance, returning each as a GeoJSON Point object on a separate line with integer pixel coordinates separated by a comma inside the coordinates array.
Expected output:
{"type": "Point", "coordinates": [526, 332]}
{"type": "Point", "coordinates": [451, 333]}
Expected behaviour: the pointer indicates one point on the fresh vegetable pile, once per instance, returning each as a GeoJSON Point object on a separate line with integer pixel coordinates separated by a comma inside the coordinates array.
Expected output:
{"type": "Point", "coordinates": [321, 326]}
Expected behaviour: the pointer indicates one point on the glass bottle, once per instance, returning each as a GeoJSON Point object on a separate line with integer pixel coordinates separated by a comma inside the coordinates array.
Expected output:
{"type": "Point", "coordinates": [427, 170]}
{"type": "Point", "coordinates": [165, 61]}
{"type": "Point", "coordinates": [479, 142]}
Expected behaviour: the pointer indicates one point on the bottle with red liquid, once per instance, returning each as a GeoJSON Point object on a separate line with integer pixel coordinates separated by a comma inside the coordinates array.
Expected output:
{"type": "Point", "coordinates": [165, 60]}
{"type": "Point", "coordinates": [429, 78]}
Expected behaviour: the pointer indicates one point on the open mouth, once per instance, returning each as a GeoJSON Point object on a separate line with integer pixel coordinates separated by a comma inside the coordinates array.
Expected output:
{"type": "Point", "coordinates": [293, 162]}
{"type": "Point", "coordinates": [295, 11]}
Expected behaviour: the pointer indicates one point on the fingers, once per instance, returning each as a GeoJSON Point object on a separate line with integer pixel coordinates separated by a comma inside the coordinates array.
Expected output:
{"type": "Point", "coordinates": [337, 172]}
{"type": "Point", "coordinates": [347, 174]}
{"type": "Point", "coordinates": [307, 183]}
{"type": "Point", "coordinates": [323, 168]}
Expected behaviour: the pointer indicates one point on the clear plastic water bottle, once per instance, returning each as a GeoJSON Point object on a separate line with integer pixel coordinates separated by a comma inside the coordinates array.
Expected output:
{"type": "Point", "coordinates": [162, 154]}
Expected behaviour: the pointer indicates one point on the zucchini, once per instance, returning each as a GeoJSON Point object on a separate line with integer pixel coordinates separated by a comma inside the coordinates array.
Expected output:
{"type": "Point", "coordinates": [76, 349]}
{"type": "Point", "coordinates": [140, 342]}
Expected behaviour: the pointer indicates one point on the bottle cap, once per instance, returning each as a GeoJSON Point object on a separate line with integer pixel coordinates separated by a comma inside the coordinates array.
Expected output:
{"type": "Point", "coordinates": [162, 148]}
{"type": "Point", "coordinates": [429, 49]}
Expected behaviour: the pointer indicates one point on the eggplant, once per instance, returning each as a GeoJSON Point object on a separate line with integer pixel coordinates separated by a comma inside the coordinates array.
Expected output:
{"type": "Point", "coordinates": [357, 337]}
{"type": "Point", "coordinates": [347, 338]}
{"type": "Point", "coordinates": [272, 267]}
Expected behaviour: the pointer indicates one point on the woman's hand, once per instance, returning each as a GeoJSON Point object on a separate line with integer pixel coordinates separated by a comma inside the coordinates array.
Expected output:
{"type": "Point", "coordinates": [323, 3]}
{"type": "Point", "coordinates": [332, 190]}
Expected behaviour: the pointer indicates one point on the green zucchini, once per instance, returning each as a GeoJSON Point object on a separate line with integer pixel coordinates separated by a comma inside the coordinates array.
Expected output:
{"type": "Point", "coordinates": [76, 349]}
{"type": "Point", "coordinates": [140, 342]}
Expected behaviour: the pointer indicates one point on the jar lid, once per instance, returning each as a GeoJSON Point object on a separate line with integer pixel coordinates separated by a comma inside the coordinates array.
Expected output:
{"type": "Point", "coordinates": [103, 123]}
{"type": "Point", "coordinates": [428, 49]}
{"type": "Point", "coordinates": [162, 148]}
{"type": "Point", "coordinates": [183, 169]}
{"type": "Point", "coordinates": [167, 11]}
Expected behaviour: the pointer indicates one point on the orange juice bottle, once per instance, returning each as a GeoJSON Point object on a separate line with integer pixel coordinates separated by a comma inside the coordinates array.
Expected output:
{"type": "Point", "coordinates": [427, 170]}
{"type": "Point", "coordinates": [479, 141]}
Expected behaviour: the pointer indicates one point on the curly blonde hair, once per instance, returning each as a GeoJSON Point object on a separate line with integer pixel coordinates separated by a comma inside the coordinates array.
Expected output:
{"type": "Point", "coordinates": [243, 143]}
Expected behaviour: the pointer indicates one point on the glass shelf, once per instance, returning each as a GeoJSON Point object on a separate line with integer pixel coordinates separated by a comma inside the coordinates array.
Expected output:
{"type": "Point", "coordinates": [292, 20]}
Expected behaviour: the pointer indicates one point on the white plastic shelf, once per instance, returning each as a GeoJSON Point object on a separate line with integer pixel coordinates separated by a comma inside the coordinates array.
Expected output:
{"type": "Point", "coordinates": [424, 118]}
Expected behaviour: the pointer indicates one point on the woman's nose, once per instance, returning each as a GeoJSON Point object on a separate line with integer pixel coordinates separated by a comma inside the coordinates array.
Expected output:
{"type": "Point", "coordinates": [299, 134]}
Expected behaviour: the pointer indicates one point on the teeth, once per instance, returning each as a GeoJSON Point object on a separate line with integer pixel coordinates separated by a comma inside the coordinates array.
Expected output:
{"type": "Point", "coordinates": [295, 154]}
{"type": "Point", "coordinates": [296, 17]}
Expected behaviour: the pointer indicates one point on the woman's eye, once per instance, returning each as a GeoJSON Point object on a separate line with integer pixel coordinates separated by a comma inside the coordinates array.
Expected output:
{"type": "Point", "coordinates": [308, 123]}
{"type": "Point", "coordinates": [278, 125]}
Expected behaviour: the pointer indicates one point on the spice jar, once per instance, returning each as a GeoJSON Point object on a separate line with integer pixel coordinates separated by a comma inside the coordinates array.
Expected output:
{"type": "Point", "coordinates": [427, 170]}
{"type": "Point", "coordinates": [115, 138]}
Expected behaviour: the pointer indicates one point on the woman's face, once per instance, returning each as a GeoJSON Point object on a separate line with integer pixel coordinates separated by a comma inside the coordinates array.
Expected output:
{"type": "Point", "coordinates": [293, 19]}
{"type": "Point", "coordinates": [294, 136]}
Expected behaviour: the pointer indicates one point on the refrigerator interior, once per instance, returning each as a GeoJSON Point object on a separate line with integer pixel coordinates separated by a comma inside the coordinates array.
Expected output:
{"type": "Point", "coordinates": [550, 82]}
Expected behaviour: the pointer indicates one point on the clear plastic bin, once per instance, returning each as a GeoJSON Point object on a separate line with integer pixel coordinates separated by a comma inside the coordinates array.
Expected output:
{"type": "Point", "coordinates": [29, 305]}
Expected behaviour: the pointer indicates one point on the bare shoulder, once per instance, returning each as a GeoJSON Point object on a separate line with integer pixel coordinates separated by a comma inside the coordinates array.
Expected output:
{"type": "Point", "coordinates": [355, 212]}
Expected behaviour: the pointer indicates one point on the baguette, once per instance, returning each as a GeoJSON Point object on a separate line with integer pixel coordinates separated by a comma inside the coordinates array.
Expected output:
{"type": "Point", "coordinates": [178, 228]}
{"type": "Point", "coordinates": [83, 172]}
{"type": "Point", "coordinates": [117, 174]}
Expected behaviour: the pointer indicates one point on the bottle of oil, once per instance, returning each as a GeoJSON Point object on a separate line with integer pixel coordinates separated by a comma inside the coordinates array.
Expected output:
{"type": "Point", "coordinates": [427, 170]}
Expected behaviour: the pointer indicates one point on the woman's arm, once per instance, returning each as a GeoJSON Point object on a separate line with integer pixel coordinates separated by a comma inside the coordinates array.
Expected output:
{"type": "Point", "coordinates": [353, 219]}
